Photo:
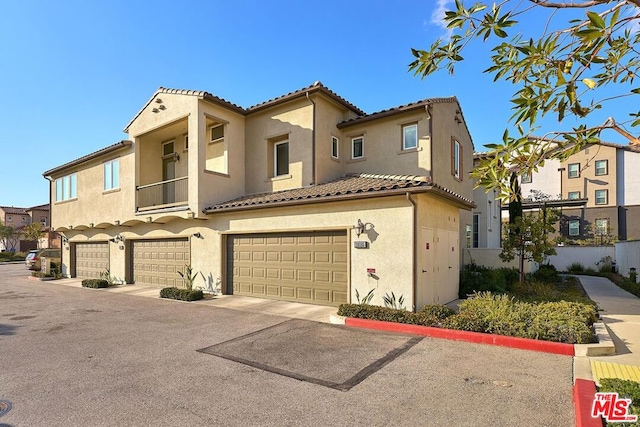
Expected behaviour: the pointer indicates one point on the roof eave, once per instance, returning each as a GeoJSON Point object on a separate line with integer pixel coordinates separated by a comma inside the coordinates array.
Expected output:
{"type": "Point", "coordinates": [110, 149]}
{"type": "Point", "coordinates": [376, 116]}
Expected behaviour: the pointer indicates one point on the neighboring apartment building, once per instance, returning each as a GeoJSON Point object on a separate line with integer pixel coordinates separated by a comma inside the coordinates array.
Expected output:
{"type": "Point", "coordinates": [597, 191]}
{"type": "Point", "coordinates": [18, 218]}
{"type": "Point", "coordinates": [302, 198]}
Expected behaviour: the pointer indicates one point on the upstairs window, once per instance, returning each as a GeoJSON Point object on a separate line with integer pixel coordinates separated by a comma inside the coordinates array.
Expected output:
{"type": "Point", "coordinates": [602, 167]}
{"type": "Point", "coordinates": [574, 195]}
{"type": "Point", "coordinates": [456, 159]}
{"type": "Point", "coordinates": [66, 188]}
{"type": "Point", "coordinates": [476, 230]}
{"type": "Point", "coordinates": [601, 197]}
{"type": "Point", "coordinates": [43, 220]}
{"type": "Point", "coordinates": [357, 147]}
{"type": "Point", "coordinates": [410, 136]}
{"type": "Point", "coordinates": [112, 175]}
{"type": "Point", "coordinates": [573, 170]}
{"type": "Point", "coordinates": [217, 133]}
{"type": "Point", "coordinates": [281, 158]}
{"type": "Point", "coordinates": [526, 178]}
{"type": "Point", "coordinates": [335, 143]}
{"type": "Point", "coordinates": [602, 226]}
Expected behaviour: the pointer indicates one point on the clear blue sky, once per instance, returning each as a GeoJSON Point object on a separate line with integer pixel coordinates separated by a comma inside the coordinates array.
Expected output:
{"type": "Point", "coordinates": [73, 73]}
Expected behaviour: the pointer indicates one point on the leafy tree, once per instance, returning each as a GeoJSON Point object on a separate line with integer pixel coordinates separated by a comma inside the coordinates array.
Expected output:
{"type": "Point", "coordinates": [528, 236]}
{"type": "Point", "coordinates": [34, 232]}
{"type": "Point", "coordinates": [8, 237]}
{"type": "Point", "coordinates": [567, 70]}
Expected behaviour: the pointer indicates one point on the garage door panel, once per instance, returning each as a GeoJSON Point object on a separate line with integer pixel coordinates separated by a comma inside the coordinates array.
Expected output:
{"type": "Point", "coordinates": [91, 259]}
{"type": "Point", "coordinates": [157, 262]}
{"type": "Point", "coordinates": [304, 266]}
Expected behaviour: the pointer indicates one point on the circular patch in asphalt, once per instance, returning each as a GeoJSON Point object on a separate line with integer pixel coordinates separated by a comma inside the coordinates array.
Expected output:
{"type": "Point", "coordinates": [5, 406]}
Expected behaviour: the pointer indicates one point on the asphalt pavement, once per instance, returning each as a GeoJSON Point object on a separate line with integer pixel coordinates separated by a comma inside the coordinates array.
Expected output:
{"type": "Point", "coordinates": [82, 357]}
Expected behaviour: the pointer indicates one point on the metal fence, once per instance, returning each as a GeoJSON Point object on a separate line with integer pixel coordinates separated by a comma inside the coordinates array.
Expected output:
{"type": "Point", "coordinates": [170, 192]}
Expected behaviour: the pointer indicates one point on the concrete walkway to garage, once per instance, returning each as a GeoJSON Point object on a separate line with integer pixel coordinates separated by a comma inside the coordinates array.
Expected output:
{"type": "Point", "coordinates": [294, 310]}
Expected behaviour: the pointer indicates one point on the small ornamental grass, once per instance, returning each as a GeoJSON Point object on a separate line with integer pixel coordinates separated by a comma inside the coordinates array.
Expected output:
{"type": "Point", "coordinates": [181, 294]}
{"type": "Point", "coordinates": [95, 283]}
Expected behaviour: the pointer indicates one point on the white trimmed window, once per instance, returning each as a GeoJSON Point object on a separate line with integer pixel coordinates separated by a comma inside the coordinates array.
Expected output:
{"type": "Point", "coordinates": [217, 133]}
{"type": "Point", "coordinates": [67, 188]}
{"type": "Point", "coordinates": [602, 167]}
{"type": "Point", "coordinates": [335, 146]}
{"type": "Point", "coordinates": [574, 195]}
{"type": "Point", "coordinates": [281, 158]}
{"type": "Point", "coordinates": [456, 159]}
{"type": "Point", "coordinates": [525, 178]}
{"type": "Point", "coordinates": [601, 197]}
{"type": "Point", "coordinates": [410, 136]}
{"type": "Point", "coordinates": [112, 175]}
{"type": "Point", "coordinates": [574, 227]}
{"type": "Point", "coordinates": [573, 170]}
{"type": "Point", "coordinates": [602, 226]}
{"type": "Point", "coordinates": [357, 147]}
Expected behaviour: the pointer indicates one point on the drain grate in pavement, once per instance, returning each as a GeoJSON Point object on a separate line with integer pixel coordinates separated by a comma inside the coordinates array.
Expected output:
{"type": "Point", "coordinates": [5, 406]}
{"type": "Point", "coordinates": [329, 355]}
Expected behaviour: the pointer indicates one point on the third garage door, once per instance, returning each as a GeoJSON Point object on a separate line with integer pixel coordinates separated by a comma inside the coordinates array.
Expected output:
{"type": "Point", "coordinates": [306, 267]}
{"type": "Point", "coordinates": [157, 262]}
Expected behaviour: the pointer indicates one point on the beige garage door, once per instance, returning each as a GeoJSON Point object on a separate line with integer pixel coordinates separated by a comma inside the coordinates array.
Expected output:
{"type": "Point", "coordinates": [157, 262]}
{"type": "Point", "coordinates": [306, 267]}
{"type": "Point", "coordinates": [91, 259]}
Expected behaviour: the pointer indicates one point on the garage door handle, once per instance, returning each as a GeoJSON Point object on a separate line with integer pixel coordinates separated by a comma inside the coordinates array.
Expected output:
{"type": "Point", "coordinates": [424, 271]}
{"type": "Point", "coordinates": [450, 267]}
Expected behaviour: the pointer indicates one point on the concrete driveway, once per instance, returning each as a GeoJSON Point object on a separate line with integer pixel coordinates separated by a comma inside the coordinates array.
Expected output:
{"type": "Point", "coordinates": [80, 357]}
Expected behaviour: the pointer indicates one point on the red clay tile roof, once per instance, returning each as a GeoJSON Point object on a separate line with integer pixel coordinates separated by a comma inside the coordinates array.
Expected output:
{"type": "Point", "coordinates": [316, 87]}
{"type": "Point", "coordinates": [39, 208]}
{"type": "Point", "coordinates": [396, 110]}
{"type": "Point", "coordinates": [88, 157]}
{"type": "Point", "coordinates": [352, 186]}
{"type": "Point", "coordinates": [12, 210]}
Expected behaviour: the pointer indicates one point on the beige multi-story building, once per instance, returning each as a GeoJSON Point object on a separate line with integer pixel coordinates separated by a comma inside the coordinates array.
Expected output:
{"type": "Point", "coordinates": [303, 198]}
{"type": "Point", "coordinates": [17, 218]}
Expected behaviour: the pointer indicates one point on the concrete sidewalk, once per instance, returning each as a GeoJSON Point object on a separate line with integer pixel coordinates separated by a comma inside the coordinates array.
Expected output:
{"type": "Point", "coordinates": [620, 312]}
{"type": "Point", "coordinates": [294, 310]}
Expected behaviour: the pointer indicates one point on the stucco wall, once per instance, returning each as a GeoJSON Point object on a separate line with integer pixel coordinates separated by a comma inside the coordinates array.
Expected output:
{"type": "Point", "coordinates": [589, 182]}
{"type": "Point", "coordinates": [545, 180]}
{"type": "Point", "coordinates": [628, 177]}
{"type": "Point", "coordinates": [588, 256]}
{"type": "Point", "coordinates": [328, 114]}
{"type": "Point", "coordinates": [491, 258]}
{"type": "Point", "coordinates": [627, 255]}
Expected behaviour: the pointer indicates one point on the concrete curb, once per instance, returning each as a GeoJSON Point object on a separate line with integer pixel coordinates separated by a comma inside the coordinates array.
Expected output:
{"type": "Point", "coordinates": [473, 337]}
{"type": "Point", "coordinates": [604, 346]}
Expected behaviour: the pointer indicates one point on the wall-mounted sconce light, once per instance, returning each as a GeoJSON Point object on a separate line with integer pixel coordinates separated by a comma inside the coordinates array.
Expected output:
{"type": "Point", "coordinates": [117, 238]}
{"type": "Point", "coordinates": [198, 235]}
{"type": "Point", "coordinates": [360, 228]}
{"type": "Point", "coordinates": [65, 240]}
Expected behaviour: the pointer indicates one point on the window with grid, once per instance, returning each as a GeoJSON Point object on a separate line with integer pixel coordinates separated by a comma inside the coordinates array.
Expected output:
{"type": "Point", "coordinates": [602, 167]}
{"type": "Point", "coordinates": [574, 170]}
{"type": "Point", "coordinates": [601, 197]}
{"type": "Point", "coordinates": [574, 227]}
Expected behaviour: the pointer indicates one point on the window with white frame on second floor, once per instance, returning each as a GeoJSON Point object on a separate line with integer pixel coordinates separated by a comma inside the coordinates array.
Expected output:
{"type": "Point", "coordinates": [525, 178]}
{"type": "Point", "coordinates": [217, 133]}
{"type": "Point", "coordinates": [410, 136]}
{"type": "Point", "coordinates": [574, 227]}
{"type": "Point", "coordinates": [601, 197]}
{"type": "Point", "coordinates": [67, 188]}
{"type": "Point", "coordinates": [357, 147]}
{"type": "Point", "coordinates": [281, 158]}
{"type": "Point", "coordinates": [335, 147]}
{"type": "Point", "coordinates": [574, 195]}
{"type": "Point", "coordinates": [456, 159]}
{"type": "Point", "coordinates": [111, 174]}
{"type": "Point", "coordinates": [573, 170]}
{"type": "Point", "coordinates": [602, 167]}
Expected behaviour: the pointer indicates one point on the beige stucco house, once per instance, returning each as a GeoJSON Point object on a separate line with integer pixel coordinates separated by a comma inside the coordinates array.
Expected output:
{"type": "Point", "coordinates": [302, 198]}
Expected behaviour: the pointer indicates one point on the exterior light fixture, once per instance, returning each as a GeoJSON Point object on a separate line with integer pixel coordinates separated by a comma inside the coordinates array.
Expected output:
{"type": "Point", "coordinates": [360, 228]}
{"type": "Point", "coordinates": [198, 235]}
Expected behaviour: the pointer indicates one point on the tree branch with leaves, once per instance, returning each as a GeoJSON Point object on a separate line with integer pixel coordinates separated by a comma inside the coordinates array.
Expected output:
{"type": "Point", "coordinates": [567, 72]}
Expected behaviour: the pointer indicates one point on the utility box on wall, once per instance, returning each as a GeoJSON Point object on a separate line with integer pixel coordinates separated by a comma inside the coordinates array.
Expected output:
{"type": "Point", "coordinates": [361, 244]}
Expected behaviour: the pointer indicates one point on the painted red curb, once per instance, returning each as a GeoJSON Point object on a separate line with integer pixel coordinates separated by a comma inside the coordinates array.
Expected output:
{"type": "Point", "coordinates": [474, 337]}
{"type": "Point", "coordinates": [584, 391]}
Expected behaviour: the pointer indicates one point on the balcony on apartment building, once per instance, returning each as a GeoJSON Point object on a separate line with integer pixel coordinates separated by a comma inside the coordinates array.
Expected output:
{"type": "Point", "coordinates": [163, 168]}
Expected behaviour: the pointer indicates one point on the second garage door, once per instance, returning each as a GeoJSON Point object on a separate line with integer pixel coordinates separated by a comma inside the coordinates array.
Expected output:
{"type": "Point", "coordinates": [91, 259]}
{"type": "Point", "coordinates": [306, 267]}
{"type": "Point", "coordinates": [157, 262]}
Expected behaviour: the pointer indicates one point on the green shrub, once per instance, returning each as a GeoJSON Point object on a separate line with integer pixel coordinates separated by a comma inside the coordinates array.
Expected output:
{"type": "Point", "coordinates": [387, 314]}
{"type": "Point", "coordinates": [475, 278]}
{"type": "Point", "coordinates": [40, 274]}
{"type": "Point", "coordinates": [575, 267]}
{"type": "Point", "coordinates": [562, 321]}
{"type": "Point", "coordinates": [438, 311]}
{"type": "Point", "coordinates": [546, 273]}
{"type": "Point", "coordinates": [181, 294]}
{"type": "Point", "coordinates": [625, 388]}
{"type": "Point", "coordinates": [95, 283]}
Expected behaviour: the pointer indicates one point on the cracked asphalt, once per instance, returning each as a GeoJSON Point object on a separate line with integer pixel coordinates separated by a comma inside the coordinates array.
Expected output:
{"type": "Point", "coordinates": [82, 357]}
